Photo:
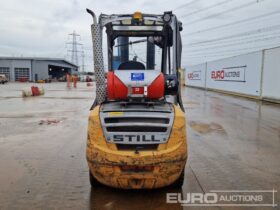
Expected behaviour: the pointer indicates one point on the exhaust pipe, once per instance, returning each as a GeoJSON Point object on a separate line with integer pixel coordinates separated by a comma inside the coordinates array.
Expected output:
{"type": "Point", "coordinates": [101, 87]}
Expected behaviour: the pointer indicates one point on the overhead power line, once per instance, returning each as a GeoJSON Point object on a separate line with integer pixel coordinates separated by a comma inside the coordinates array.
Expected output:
{"type": "Point", "coordinates": [223, 52]}
{"type": "Point", "coordinates": [207, 8]}
{"type": "Point", "coordinates": [234, 43]}
{"type": "Point", "coordinates": [186, 4]}
{"type": "Point", "coordinates": [227, 11]}
{"type": "Point", "coordinates": [237, 41]}
{"type": "Point", "coordinates": [248, 33]}
{"type": "Point", "coordinates": [234, 23]}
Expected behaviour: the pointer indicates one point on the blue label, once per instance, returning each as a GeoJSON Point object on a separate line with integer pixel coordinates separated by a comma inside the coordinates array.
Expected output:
{"type": "Point", "coordinates": [137, 76]}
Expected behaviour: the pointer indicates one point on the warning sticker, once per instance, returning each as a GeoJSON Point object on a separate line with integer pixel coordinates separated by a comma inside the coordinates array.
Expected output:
{"type": "Point", "coordinates": [137, 76]}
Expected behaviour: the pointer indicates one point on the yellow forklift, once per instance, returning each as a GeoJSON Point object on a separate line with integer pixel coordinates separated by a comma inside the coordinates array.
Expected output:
{"type": "Point", "coordinates": [137, 126]}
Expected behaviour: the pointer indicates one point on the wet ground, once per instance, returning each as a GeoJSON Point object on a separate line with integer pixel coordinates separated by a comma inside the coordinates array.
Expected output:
{"type": "Point", "coordinates": [234, 144]}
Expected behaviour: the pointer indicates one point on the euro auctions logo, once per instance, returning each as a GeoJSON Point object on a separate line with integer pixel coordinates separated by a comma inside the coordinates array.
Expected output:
{"type": "Point", "coordinates": [195, 75]}
{"type": "Point", "coordinates": [232, 74]}
{"type": "Point", "coordinates": [218, 198]}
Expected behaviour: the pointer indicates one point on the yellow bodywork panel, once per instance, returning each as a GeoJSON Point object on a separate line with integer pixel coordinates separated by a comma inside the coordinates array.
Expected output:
{"type": "Point", "coordinates": [165, 164]}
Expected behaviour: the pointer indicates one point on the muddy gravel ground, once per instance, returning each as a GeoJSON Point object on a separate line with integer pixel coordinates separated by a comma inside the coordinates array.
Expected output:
{"type": "Point", "coordinates": [234, 144]}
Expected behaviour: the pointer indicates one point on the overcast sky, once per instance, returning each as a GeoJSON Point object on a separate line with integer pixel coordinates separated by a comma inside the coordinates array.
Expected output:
{"type": "Point", "coordinates": [212, 29]}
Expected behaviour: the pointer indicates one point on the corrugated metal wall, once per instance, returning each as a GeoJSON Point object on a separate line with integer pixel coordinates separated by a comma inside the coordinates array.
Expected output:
{"type": "Point", "coordinates": [39, 67]}
{"type": "Point", "coordinates": [15, 64]}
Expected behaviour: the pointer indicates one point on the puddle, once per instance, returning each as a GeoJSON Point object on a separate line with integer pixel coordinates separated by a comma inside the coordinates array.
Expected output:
{"type": "Point", "coordinates": [205, 128]}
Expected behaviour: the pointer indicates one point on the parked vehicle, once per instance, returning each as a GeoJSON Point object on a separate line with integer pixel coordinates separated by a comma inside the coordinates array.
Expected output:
{"type": "Point", "coordinates": [3, 79]}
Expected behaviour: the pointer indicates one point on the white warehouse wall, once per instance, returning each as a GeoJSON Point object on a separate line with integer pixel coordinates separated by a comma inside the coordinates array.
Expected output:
{"type": "Point", "coordinates": [195, 75]}
{"type": "Point", "coordinates": [255, 74]}
{"type": "Point", "coordinates": [239, 74]}
{"type": "Point", "coordinates": [271, 74]}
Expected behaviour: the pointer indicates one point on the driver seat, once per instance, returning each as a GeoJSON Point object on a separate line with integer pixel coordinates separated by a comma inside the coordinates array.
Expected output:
{"type": "Point", "coordinates": [131, 65]}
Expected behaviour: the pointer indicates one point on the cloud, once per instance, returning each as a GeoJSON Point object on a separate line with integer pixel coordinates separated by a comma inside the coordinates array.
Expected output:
{"type": "Point", "coordinates": [41, 28]}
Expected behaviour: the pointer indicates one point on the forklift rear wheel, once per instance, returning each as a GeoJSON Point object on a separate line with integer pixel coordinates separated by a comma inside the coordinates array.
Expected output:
{"type": "Point", "coordinates": [93, 181]}
{"type": "Point", "coordinates": [180, 181]}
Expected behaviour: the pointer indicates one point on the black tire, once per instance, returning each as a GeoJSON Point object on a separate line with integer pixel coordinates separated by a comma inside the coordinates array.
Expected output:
{"type": "Point", "coordinates": [180, 181]}
{"type": "Point", "coordinates": [93, 181]}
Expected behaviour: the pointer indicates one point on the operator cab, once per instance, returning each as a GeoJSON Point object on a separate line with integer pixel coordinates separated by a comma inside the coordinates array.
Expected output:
{"type": "Point", "coordinates": [142, 40]}
{"type": "Point", "coordinates": [148, 48]}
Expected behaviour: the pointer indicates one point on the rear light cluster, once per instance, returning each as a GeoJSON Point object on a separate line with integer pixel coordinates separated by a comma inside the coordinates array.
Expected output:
{"type": "Point", "coordinates": [138, 90]}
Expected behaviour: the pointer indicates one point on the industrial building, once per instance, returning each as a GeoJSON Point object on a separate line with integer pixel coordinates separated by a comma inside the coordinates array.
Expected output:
{"type": "Point", "coordinates": [33, 69]}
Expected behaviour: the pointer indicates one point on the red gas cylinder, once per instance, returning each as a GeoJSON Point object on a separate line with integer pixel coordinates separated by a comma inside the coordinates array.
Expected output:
{"type": "Point", "coordinates": [116, 88]}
